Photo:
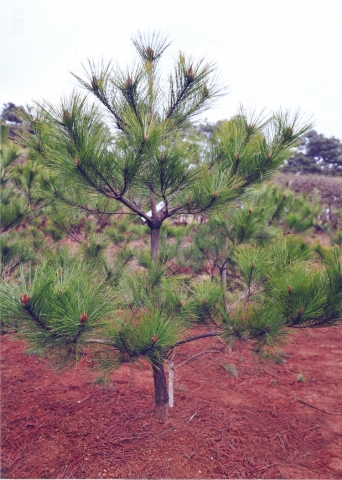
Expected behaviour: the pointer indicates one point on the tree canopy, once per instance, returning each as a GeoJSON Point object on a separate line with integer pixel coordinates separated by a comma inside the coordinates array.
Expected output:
{"type": "Point", "coordinates": [316, 154]}
{"type": "Point", "coordinates": [11, 113]}
{"type": "Point", "coordinates": [130, 147]}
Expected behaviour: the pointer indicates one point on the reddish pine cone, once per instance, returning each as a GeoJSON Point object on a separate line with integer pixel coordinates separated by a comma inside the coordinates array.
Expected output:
{"type": "Point", "coordinates": [25, 299]}
{"type": "Point", "coordinates": [83, 317]}
{"type": "Point", "coordinates": [154, 338]}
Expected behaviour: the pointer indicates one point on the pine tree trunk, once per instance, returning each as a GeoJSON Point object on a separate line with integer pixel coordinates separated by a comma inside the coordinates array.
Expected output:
{"type": "Point", "coordinates": [155, 245]}
{"type": "Point", "coordinates": [224, 286]}
{"type": "Point", "coordinates": [160, 393]}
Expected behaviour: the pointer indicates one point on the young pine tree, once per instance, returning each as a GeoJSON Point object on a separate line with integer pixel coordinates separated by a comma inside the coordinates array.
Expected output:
{"type": "Point", "coordinates": [131, 148]}
{"type": "Point", "coordinates": [19, 176]}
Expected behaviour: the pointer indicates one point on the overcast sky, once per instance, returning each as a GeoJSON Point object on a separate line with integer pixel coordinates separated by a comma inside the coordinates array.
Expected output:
{"type": "Point", "coordinates": [270, 53]}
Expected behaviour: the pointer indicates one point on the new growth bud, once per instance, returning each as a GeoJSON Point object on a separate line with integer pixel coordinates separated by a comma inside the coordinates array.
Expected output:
{"type": "Point", "coordinates": [149, 54]}
{"type": "Point", "coordinates": [191, 74]}
{"type": "Point", "coordinates": [66, 115]}
{"type": "Point", "coordinates": [163, 156]}
{"type": "Point", "coordinates": [237, 156]}
{"type": "Point", "coordinates": [83, 317]}
{"type": "Point", "coordinates": [252, 265]}
{"type": "Point", "coordinates": [289, 289]}
{"type": "Point", "coordinates": [78, 162]}
{"type": "Point", "coordinates": [301, 311]}
{"type": "Point", "coordinates": [204, 301]}
{"type": "Point", "coordinates": [288, 133]}
{"type": "Point", "coordinates": [181, 303]}
{"type": "Point", "coordinates": [267, 328]}
{"type": "Point", "coordinates": [128, 83]}
{"type": "Point", "coordinates": [95, 83]}
{"type": "Point", "coordinates": [215, 194]}
{"type": "Point", "coordinates": [154, 339]}
{"type": "Point", "coordinates": [25, 299]}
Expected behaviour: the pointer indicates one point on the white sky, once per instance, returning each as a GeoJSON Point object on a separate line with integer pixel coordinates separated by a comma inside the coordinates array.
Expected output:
{"type": "Point", "coordinates": [270, 53]}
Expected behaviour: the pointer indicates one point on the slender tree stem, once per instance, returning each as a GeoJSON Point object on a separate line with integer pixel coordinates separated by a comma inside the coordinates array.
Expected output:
{"type": "Point", "coordinates": [160, 392]}
{"type": "Point", "coordinates": [155, 244]}
{"type": "Point", "coordinates": [224, 286]}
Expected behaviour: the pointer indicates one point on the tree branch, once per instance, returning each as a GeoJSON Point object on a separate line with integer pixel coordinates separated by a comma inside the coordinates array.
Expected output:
{"type": "Point", "coordinates": [197, 355]}
{"type": "Point", "coordinates": [97, 188]}
{"type": "Point", "coordinates": [35, 317]}
{"type": "Point", "coordinates": [179, 99]}
{"type": "Point", "coordinates": [87, 209]}
{"type": "Point", "coordinates": [116, 196]}
{"type": "Point", "coordinates": [120, 122]}
{"type": "Point", "coordinates": [101, 341]}
{"type": "Point", "coordinates": [197, 337]}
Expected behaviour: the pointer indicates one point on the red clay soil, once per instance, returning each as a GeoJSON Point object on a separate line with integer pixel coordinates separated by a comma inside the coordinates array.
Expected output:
{"type": "Point", "coordinates": [272, 421]}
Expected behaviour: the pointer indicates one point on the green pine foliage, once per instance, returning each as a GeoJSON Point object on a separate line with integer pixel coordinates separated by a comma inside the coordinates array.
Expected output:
{"type": "Point", "coordinates": [13, 252]}
{"type": "Point", "coordinates": [14, 205]}
{"type": "Point", "coordinates": [57, 308]}
{"type": "Point", "coordinates": [302, 213]}
{"type": "Point", "coordinates": [299, 293]}
{"type": "Point", "coordinates": [143, 155]}
{"type": "Point", "coordinates": [19, 205]}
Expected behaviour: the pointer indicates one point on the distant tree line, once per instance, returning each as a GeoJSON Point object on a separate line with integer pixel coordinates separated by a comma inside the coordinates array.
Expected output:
{"type": "Point", "coordinates": [316, 154]}
{"type": "Point", "coordinates": [11, 113]}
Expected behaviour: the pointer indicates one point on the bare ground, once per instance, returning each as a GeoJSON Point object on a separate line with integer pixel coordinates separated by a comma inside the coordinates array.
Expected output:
{"type": "Point", "coordinates": [253, 426]}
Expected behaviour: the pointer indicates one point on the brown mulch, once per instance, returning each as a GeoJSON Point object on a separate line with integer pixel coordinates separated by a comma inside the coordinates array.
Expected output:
{"type": "Point", "coordinates": [252, 426]}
